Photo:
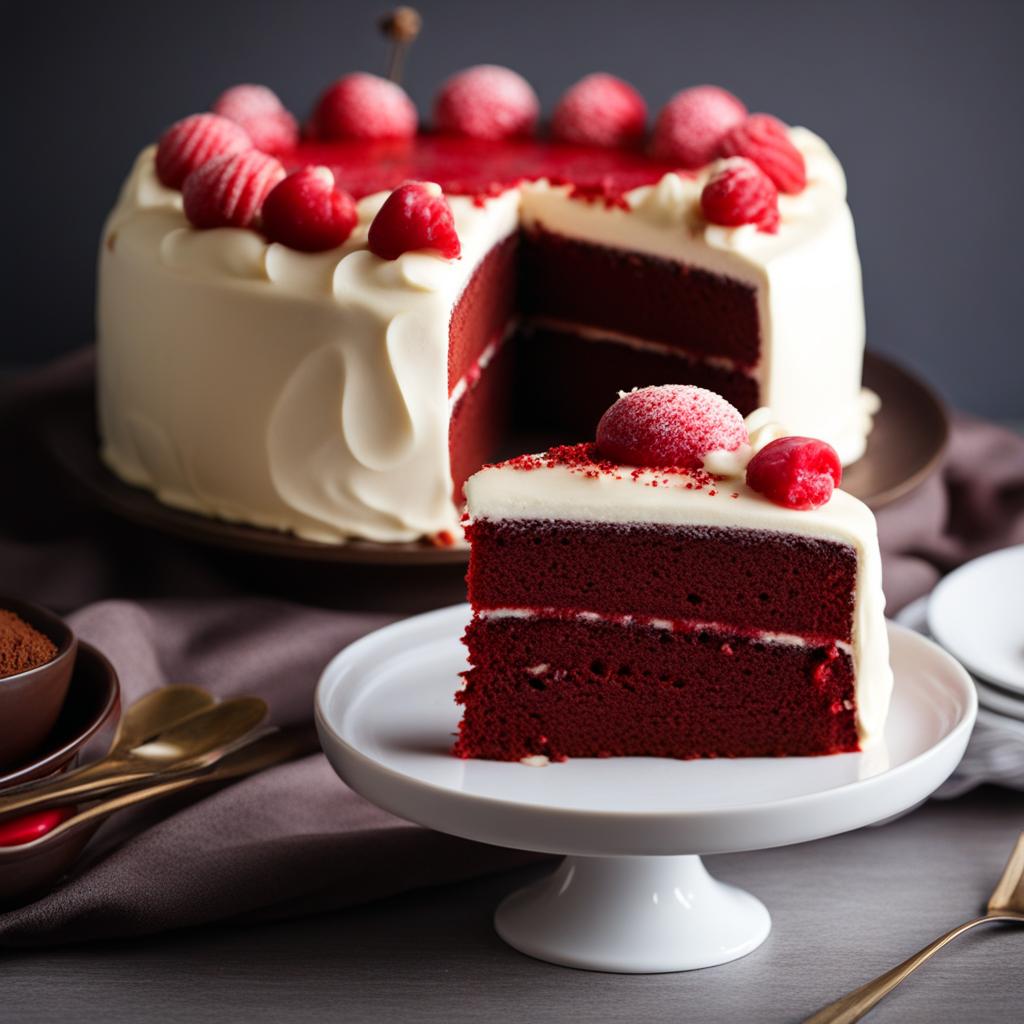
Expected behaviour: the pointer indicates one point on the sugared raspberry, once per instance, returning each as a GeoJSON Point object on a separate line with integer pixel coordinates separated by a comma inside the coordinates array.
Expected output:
{"type": "Point", "coordinates": [765, 140]}
{"type": "Point", "coordinates": [190, 142]}
{"type": "Point", "coordinates": [671, 425]}
{"type": "Point", "coordinates": [415, 216]}
{"type": "Point", "coordinates": [229, 190]}
{"type": "Point", "coordinates": [306, 212]}
{"type": "Point", "coordinates": [258, 110]}
{"type": "Point", "coordinates": [600, 110]}
{"type": "Point", "coordinates": [797, 472]}
{"type": "Point", "coordinates": [362, 106]}
{"type": "Point", "coordinates": [486, 102]}
{"type": "Point", "coordinates": [739, 192]}
{"type": "Point", "coordinates": [693, 122]}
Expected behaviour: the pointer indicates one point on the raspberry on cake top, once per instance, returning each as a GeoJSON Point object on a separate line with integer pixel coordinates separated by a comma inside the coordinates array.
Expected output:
{"type": "Point", "coordinates": [730, 538]}
{"type": "Point", "coordinates": [312, 332]}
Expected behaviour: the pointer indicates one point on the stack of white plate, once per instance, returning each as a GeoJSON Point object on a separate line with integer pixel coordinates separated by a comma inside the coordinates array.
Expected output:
{"type": "Point", "coordinates": [977, 614]}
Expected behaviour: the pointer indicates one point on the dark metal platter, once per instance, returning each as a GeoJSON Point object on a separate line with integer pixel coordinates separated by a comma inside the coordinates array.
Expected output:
{"type": "Point", "coordinates": [905, 446]}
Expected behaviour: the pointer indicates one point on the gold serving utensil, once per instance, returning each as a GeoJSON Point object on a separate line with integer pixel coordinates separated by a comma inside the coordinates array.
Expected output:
{"type": "Point", "coordinates": [186, 744]}
{"type": "Point", "coordinates": [1005, 904]}
{"type": "Point", "coordinates": [270, 749]}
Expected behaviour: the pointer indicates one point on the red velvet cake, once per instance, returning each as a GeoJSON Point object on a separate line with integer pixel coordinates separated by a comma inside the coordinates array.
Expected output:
{"type": "Point", "coordinates": [327, 332]}
{"type": "Point", "coordinates": [691, 585]}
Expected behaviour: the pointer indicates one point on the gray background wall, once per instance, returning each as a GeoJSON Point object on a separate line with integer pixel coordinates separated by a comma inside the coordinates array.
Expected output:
{"type": "Point", "coordinates": [921, 100]}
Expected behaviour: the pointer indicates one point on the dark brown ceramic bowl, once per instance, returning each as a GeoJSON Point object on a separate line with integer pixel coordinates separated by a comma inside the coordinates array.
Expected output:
{"type": "Point", "coordinates": [93, 702]}
{"type": "Point", "coordinates": [30, 701]}
{"type": "Point", "coordinates": [91, 710]}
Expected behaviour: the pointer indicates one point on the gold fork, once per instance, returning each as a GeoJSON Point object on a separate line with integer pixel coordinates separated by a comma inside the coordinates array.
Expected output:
{"type": "Point", "coordinates": [1005, 904]}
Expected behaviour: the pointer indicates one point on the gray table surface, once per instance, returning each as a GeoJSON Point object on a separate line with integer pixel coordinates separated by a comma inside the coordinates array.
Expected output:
{"type": "Point", "coordinates": [844, 909]}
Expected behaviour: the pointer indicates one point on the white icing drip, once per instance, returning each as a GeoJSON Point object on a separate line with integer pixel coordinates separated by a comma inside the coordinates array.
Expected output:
{"type": "Point", "coordinates": [557, 493]}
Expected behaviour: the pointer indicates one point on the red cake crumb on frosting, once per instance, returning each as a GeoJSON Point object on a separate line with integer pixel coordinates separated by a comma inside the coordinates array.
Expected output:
{"type": "Point", "coordinates": [670, 425]}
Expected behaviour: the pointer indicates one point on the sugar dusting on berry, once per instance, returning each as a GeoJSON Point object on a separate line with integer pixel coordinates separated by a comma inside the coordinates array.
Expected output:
{"type": "Point", "coordinates": [486, 102]}
{"type": "Point", "coordinates": [671, 425]}
{"type": "Point", "coordinates": [765, 140]}
{"type": "Point", "coordinates": [691, 124]}
{"type": "Point", "coordinates": [600, 110]}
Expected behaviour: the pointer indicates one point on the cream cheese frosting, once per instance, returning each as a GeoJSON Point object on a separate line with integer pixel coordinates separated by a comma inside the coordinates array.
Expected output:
{"type": "Point", "coordinates": [308, 392]}
{"type": "Point", "coordinates": [558, 492]}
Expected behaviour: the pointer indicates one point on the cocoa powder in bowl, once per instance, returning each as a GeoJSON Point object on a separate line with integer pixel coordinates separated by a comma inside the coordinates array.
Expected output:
{"type": "Point", "coordinates": [22, 646]}
{"type": "Point", "coordinates": [37, 660]}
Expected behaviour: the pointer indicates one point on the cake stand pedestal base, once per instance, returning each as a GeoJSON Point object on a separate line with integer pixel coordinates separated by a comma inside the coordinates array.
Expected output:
{"type": "Point", "coordinates": [633, 915]}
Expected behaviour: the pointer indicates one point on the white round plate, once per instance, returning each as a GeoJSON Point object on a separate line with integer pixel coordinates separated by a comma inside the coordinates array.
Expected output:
{"type": "Point", "coordinates": [915, 616]}
{"type": "Point", "coordinates": [386, 715]}
{"type": "Point", "coordinates": [975, 613]}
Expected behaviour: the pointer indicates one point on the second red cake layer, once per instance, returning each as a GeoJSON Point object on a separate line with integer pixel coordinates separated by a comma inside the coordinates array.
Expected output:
{"type": "Point", "coordinates": [575, 688]}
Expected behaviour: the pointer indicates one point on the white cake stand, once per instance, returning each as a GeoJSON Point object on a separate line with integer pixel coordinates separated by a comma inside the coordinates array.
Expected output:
{"type": "Point", "coordinates": [632, 894]}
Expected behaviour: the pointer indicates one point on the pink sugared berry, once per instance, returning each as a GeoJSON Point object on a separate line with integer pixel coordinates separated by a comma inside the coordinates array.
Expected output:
{"type": "Point", "coordinates": [306, 212]}
{"type": "Point", "coordinates": [600, 110]}
{"type": "Point", "coordinates": [190, 142]}
{"type": "Point", "coordinates": [229, 190]}
{"type": "Point", "coordinates": [670, 425]}
{"type": "Point", "coordinates": [486, 102]}
{"type": "Point", "coordinates": [797, 472]}
{"type": "Point", "coordinates": [415, 216]}
{"type": "Point", "coordinates": [692, 123]}
{"type": "Point", "coordinates": [739, 192]}
{"type": "Point", "coordinates": [258, 110]}
{"type": "Point", "coordinates": [765, 140]}
{"type": "Point", "coordinates": [362, 106]}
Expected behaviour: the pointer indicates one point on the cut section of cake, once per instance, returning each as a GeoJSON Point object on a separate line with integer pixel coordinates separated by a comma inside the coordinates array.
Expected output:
{"type": "Point", "coordinates": [725, 603]}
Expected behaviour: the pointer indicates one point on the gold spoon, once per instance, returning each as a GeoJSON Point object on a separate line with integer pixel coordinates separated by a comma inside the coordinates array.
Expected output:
{"type": "Point", "coordinates": [1005, 904]}
{"type": "Point", "coordinates": [269, 749]}
{"type": "Point", "coordinates": [149, 715]}
{"type": "Point", "coordinates": [189, 744]}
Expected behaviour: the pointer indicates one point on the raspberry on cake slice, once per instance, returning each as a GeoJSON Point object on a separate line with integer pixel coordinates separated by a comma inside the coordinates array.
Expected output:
{"type": "Point", "coordinates": [690, 585]}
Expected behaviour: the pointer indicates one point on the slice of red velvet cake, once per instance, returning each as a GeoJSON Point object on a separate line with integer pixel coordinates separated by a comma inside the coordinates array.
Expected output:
{"type": "Point", "coordinates": [692, 585]}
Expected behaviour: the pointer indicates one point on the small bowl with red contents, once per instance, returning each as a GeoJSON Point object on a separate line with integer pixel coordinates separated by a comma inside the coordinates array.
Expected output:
{"type": "Point", "coordinates": [37, 658]}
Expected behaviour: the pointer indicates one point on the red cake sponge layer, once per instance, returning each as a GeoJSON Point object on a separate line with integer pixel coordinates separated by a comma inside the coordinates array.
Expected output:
{"type": "Point", "coordinates": [599, 689]}
{"type": "Point", "coordinates": [641, 296]}
{"type": "Point", "coordinates": [760, 580]}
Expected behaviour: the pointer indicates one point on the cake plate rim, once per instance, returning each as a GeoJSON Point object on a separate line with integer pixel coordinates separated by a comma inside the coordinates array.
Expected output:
{"type": "Point", "coordinates": [595, 912]}
{"type": "Point", "coordinates": [70, 438]}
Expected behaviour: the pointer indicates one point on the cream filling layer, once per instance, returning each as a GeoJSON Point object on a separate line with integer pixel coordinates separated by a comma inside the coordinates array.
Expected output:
{"type": "Point", "coordinates": [672, 625]}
